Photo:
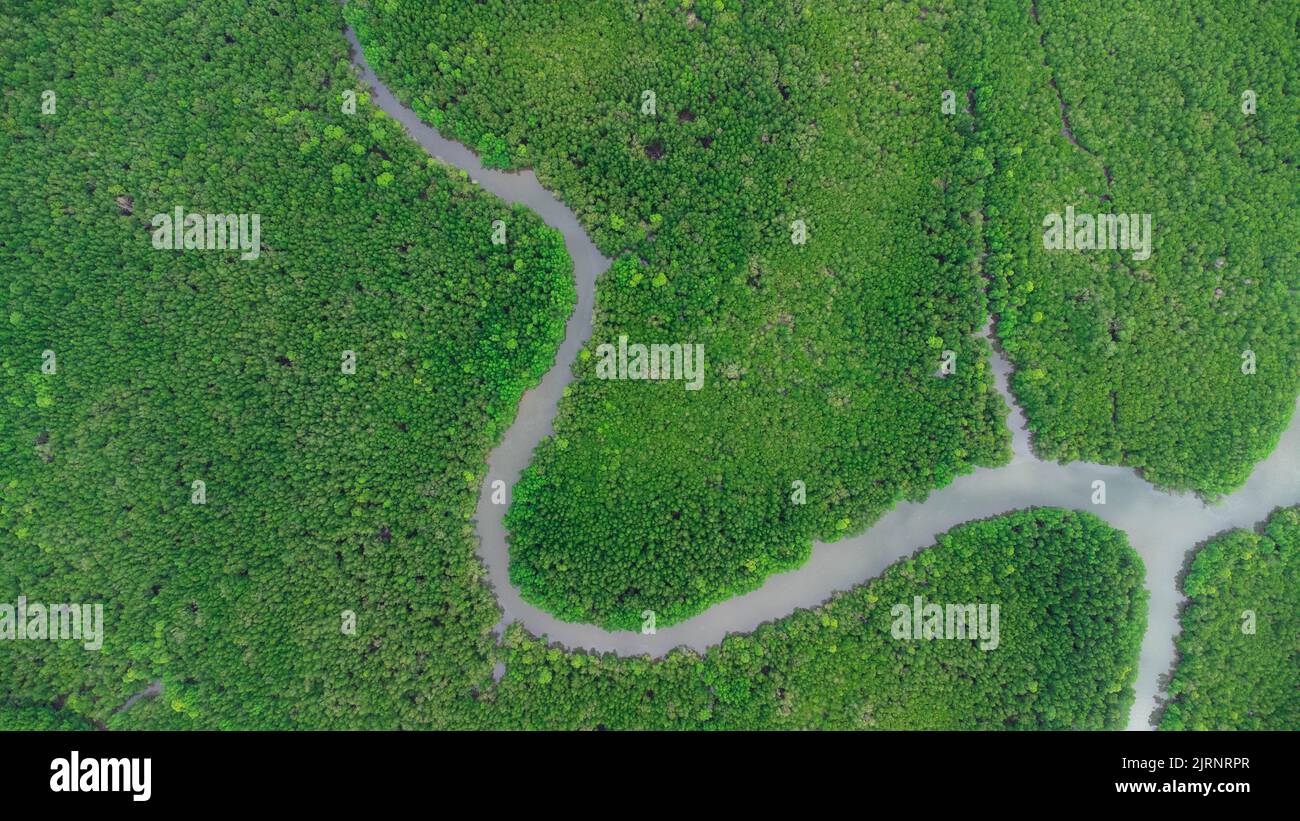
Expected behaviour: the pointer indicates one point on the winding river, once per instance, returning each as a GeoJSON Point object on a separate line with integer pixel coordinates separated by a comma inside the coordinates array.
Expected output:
{"type": "Point", "coordinates": [1162, 527]}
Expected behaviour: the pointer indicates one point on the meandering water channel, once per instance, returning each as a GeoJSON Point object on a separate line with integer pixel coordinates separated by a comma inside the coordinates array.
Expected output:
{"type": "Point", "coordinates": [1162, 527]}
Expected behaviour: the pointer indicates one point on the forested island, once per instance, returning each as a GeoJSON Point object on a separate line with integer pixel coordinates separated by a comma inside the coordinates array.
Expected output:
{"type": "Point", "coordinates": [767, 127]}
{"type": "Point", "coordinates": [1067, 586]}
{"type": "Point", "coordinates": [1184, 365]}
{"type": "Point", "coordinates": [1239, 665]}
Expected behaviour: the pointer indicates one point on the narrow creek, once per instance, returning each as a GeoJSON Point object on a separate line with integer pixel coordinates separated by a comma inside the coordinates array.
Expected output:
{"type": "Point", "coordinates": [1162, 527]}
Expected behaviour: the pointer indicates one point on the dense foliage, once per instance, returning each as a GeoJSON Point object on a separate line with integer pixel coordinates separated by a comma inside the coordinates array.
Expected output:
{"type": "Point", "coordinates": [651, 497]}
{"type": "Point", "coordinates": [325, 491]}
{"type": "Point", "coordinates": [1136, 107]}
{"type": "Point", "coordinates": [1239, 652]}
{"type": "Point", "coordinates": [1072, 614]}
{"type": "Point", "coordinates": [328, 492]}
{"type": "Point", "coordinates": [822, 359]}
{"type": "Point", "coordinates": [39, 717]}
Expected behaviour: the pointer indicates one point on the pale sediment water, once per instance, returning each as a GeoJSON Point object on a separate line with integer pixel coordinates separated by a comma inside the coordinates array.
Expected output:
{"type": "Point", "coordinates": [1162, 527]}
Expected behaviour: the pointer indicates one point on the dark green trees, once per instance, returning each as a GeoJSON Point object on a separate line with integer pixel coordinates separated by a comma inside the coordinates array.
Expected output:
{"type": "Point", "coordinates": [1239, 652]}
{"type": "Point", "coordinates": [328, 492]}
{"type": "Point", "coordinates": [789, 195]}
{"type": "Point", "coordinates": [1071, 614]}
{"type": "Point", "coordinates": [326, 489]}
{"type": "Point", "coordinates": [1186, 364]}
{"type": "Point", "coordinates": [702, 140]}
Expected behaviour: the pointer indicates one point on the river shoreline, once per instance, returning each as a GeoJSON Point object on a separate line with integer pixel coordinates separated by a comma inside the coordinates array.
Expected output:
{"type": "Point", "coordinates": [1162, 527]}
